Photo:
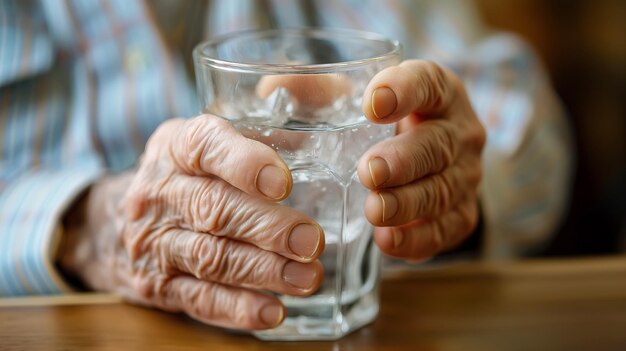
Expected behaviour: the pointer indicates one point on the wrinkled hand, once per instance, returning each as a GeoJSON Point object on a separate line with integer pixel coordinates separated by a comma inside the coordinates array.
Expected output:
{"type": "Point", "coordinates": [425, 179]}
{"type": "Point", "coordinates": [196, 228]}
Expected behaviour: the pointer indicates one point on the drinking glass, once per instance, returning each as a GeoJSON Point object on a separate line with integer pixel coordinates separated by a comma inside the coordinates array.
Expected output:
{"type": "Point", "coordinates": [300, 92]}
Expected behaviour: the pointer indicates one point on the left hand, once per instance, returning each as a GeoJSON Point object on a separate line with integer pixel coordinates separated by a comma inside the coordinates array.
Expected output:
{"type": "Point", "coordinates": [424, 180]}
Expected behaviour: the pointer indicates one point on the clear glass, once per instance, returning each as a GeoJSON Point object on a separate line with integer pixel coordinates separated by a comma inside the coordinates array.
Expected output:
{"type": "Point", "coordinates": [300, 92]}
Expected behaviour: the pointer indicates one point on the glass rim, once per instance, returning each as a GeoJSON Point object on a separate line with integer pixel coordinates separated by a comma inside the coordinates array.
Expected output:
{"type": "Point", "coordinates": [280, 68]}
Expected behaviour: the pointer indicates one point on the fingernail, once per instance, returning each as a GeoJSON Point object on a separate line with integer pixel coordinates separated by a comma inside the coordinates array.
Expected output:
{"type": "Point", "coordinates": [304, 240]}
{"type": "Point", "coordinates": [379, 171]}
{"type": "Point", "coordinates": [389, 206]}
{"type": "Point", "coordinates": [299, 275]}
{"type": "Point", "coordinates": [272, 182]}
{"type": "Point", "coordinates": [398, 238]}
{"type": "Point", "coordinates": [271, 314]}
{"type": "Point", "coordinates": [384, 102]}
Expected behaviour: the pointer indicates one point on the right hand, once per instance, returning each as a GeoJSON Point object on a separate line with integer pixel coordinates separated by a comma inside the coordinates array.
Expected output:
{"type": "Point", "coordinates": [196, 228]}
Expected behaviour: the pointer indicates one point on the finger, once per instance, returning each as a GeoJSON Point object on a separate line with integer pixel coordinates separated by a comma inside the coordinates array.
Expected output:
{"type": "Point", "coordinates": [213, 206]}
{"type": "Point", "coordinates": [234, 263]}
{"type": "Point", "coordinates": [423, 239]}
{"type": "Point", "coordinates": [315, 90]}
{"type": "Point", "coordinates": [414, 86]}
{"type": "Point", "coordinates": [221, 305]}
{"type": "Point", "coordinates": [428, 148]}
{"type": "Point", "coordinates": [208, 145]}
{"type": "Point", "coordinates": [427, 198]}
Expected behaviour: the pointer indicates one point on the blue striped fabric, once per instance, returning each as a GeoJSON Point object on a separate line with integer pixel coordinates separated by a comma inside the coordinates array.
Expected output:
{"type": "Point", "coordinates": [84, 83]}
{"type": "Point", "coordinates": [25, 48]}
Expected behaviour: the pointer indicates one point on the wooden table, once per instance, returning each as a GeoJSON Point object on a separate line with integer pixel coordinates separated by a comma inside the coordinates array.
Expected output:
{"type": "Point", "coordinates": [530, 305]}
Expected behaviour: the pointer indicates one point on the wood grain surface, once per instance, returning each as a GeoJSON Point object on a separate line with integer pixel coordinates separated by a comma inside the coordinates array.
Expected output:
{"type": "Point", "coordinates": [527, 305]}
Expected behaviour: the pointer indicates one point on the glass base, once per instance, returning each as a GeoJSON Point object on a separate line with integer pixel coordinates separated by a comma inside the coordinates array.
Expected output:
{"type": "Point", "coordinates": [302, 324]}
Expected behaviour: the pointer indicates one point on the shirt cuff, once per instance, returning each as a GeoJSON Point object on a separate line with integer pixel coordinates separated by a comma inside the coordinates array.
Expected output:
{"type": "Point", "coordinates": [31, 207]}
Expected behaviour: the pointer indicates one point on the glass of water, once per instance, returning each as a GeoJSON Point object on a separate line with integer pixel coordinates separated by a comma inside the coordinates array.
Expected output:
{"type": "Point", "coordinates": [300, 91]}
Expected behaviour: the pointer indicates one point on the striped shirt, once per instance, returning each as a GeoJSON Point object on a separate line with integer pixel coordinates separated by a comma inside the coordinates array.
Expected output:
{"type": "Point", "coordinates": [83, 84]}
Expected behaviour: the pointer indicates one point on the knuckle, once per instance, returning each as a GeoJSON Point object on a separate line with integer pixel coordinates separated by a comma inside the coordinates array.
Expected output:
{"type": "Point", "coordinates": [406, 156]}
{"type": "Point", "coordinates": [199, 144]}
{"type": "Point", "coordinates": [211, 204]}
{"type": "Point", "coordinates": [223, 260]}
{"type": "Point", "coordinates": [425, 200]}
{"type": "Point", "coordinates": [242, 315]}
{"type": "Point", "coordinates": [252, 271]}
{"type": "Point", "coordinates": [194, 143]}
{"type": "Point", "coordinates": [224, 306]}
{"type": "Point", "coordinates": [150, 288]}
{"type": "Point", "coordinates": [198, 302]}
{"type": "Point", "coordinates": [161, 291]}
{"type": "Point", "coordinates": [228, 261]}
{"type": "Point", "coordinates": [204, 205]}
{"type": "Point", "coordinates": [431, 203]}
{"type": "Point", "coordinates": [444, 191]}
{"type": "Point", "coordinates": [136, 241]}
{"type": "Point", "coordinates": [409, 205]}
{"type": "Point", "coordinates": [435, 152]}
{"type": "Point", "coordinates": [431, 160]}
{"type": "Point", "coordinates": [212, 255]}
{"type": "Point", "coordinates": [420, 160]}
{"type": "Point", "coordinates": [443, 145]}
{"type": "Point", "coordinates": [438, 76]}
{"type": "Point", "coordinates": [239, 268]}
{"type": "Point", "coordinates": [431, 80]}
{"type": "Point", "coordinates": [208, 303]}
{"type": "Point", "coordinates": [164, 245]}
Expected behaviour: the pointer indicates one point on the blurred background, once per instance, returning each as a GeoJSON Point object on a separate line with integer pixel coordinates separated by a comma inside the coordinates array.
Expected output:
{"type": "Point", "coordinates": [583, 44]}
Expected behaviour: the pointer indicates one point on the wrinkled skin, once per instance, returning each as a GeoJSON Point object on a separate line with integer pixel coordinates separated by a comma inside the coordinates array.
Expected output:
{"type": "Point", "coordinates": [424, 180]}
{"type": "Point", "coordinates": [173, 234]}
{"type": "Point", "coordinates": [196, 227]}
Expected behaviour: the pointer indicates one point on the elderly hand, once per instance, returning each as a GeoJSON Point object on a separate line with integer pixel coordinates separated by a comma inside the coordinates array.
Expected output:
{"type": "Point", "coordinates": [196, 228]}
{"type": "Point", "coordinates": [424, 180]}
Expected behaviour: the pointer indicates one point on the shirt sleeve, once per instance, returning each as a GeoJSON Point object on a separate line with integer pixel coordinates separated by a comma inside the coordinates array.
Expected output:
{"type": "Point", "coordinates": [46, 156]}
{"type": "Point", "coordinates": [528, 158]}
{"type": "Point", "coordinates": [31, 206]}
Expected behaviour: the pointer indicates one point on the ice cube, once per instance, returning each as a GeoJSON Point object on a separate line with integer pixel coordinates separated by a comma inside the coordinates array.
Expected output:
{"type": "Point", "coordinates": [281, 106]}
